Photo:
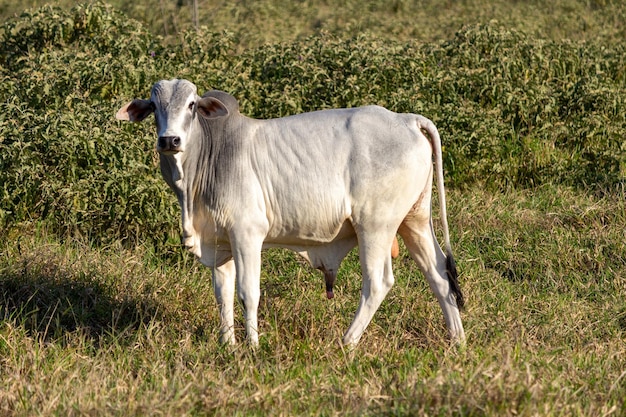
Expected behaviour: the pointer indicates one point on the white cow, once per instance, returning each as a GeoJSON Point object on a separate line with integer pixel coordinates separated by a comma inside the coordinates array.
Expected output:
{"type": "Point", "coordinates": [318, 183]}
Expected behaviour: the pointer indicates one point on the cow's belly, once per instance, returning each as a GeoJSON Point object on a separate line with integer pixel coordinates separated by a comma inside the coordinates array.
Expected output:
{"type": "Point", "coordinates": [308, 232]}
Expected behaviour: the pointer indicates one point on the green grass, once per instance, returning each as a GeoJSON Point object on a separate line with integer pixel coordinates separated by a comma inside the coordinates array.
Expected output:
{"type": "Point", "coordinates": [114, 331]}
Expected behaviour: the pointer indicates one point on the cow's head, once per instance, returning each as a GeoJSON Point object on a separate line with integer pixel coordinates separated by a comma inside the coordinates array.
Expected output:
{"type": "Point", "coordinates": [175, 104]}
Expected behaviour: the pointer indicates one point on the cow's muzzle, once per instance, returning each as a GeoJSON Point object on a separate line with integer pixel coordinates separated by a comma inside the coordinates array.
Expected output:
{"type": "Point", "coordinates": [168, 144]}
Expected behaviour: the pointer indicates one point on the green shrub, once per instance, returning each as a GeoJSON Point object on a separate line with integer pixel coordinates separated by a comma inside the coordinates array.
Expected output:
{"type": "Point", "coordinates": [63, 158]}
{"type": "Point", "coordinates": [513, 111]}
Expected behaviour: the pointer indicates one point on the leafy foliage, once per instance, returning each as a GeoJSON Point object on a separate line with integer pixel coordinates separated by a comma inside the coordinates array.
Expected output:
{"type": "Point", "coordinates": [62, 158]}
{"type": "Point", "coordinates": [513, 111]}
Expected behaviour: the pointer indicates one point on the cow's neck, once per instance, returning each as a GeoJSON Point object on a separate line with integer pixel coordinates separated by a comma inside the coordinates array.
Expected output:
{"type": "Point", "coordinates": [199, 174]}
{"type": "Point", "coordinates": [215, 153]}
{"type": "Point", "coordinates": [180, 172]}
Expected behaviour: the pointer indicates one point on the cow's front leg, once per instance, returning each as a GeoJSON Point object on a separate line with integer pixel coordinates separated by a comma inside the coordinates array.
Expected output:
{"type": "Point", "coordinates": [224, 288]}
{"type": "Point", "coordinates": [247, 258]}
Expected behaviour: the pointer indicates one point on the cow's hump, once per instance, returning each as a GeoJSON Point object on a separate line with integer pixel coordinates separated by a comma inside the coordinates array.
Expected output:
{"type": "Point", "coordinates": [229, 101]}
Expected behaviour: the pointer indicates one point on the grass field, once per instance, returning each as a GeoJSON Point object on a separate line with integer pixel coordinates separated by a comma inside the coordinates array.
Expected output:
{"type": "Point", "coordinates": [102, 313]}
{"type": "Point", "coordinates": [112, 331]}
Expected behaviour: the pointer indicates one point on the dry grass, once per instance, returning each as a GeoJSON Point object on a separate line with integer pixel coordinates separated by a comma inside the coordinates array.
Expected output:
{"type": "Point", "coordinates": [120, 332]}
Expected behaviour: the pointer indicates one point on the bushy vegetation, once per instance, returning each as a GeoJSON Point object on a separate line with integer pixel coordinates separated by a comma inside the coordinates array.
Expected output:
{"type": "Point", "coordinates": [270, 21]}
{"type": "Point", "coordinates": [513, 111]}
{"type": "Point", "coordinates": [531, 113]}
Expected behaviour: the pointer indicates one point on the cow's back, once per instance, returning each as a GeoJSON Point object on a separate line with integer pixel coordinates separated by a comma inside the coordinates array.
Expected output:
{"type": "Point", "coordinates": [316, 169]}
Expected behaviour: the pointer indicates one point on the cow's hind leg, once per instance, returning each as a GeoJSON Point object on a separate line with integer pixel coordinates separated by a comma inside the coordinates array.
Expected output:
{"type": "Point", "coordinates": [377, 281]}
{"type": "Point", "coordinates": [419, 238]}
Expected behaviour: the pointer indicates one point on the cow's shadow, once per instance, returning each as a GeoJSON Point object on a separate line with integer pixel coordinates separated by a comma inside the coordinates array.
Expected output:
{"type": "Point", "coordinates": [49, 303]}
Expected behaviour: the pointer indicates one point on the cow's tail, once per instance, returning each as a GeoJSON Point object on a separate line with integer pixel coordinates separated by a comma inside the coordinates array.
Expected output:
{"type": "Point", "coordinates": [429, 127]}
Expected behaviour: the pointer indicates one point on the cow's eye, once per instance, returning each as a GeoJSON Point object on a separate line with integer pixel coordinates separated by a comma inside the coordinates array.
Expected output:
{"type": "Point", "coordinates": [191, 105]}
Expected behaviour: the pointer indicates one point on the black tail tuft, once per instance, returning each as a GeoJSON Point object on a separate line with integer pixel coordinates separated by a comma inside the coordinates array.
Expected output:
{"type": "Point", "coordinates": [453, 278]}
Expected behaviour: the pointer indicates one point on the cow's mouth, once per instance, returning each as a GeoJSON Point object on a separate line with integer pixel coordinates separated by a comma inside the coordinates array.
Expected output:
{"type": "Point", "coordinates": [168, 151]}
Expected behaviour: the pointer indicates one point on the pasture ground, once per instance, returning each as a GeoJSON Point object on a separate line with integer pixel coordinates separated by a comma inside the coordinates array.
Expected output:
{"type": "Point", "coordinates": [114, 331]}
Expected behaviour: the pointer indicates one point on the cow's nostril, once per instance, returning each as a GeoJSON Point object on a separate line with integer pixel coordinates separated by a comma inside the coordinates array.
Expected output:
{"type": "Point", "coordinates": [169, 143]}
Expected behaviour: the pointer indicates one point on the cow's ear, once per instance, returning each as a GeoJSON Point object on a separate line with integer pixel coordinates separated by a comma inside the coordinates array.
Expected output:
{"type": "Point", "coordinates": [211, 108]}
{"type": "Point", "coordinates": [135, 111]}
